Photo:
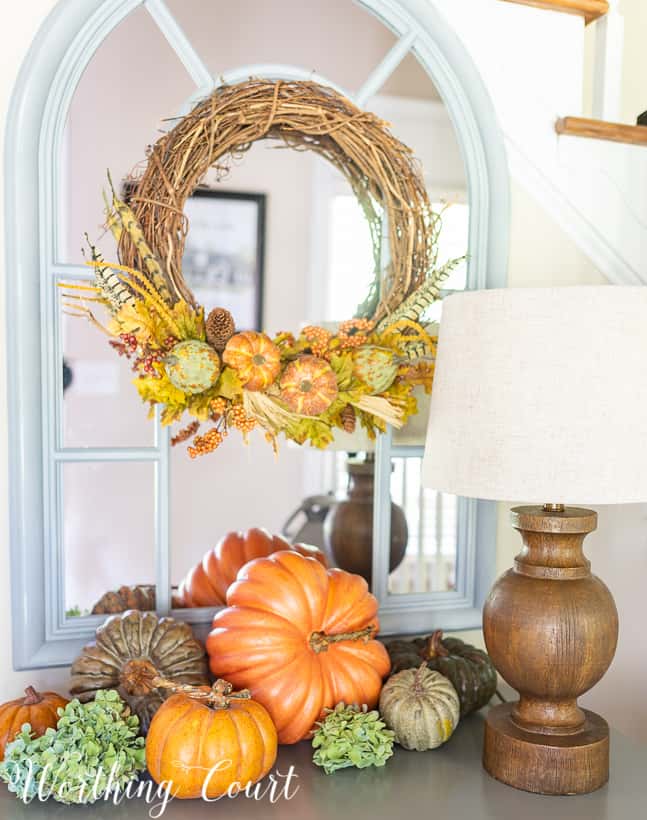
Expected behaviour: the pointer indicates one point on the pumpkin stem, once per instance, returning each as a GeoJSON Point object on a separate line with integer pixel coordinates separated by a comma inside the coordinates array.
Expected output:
{"type": "Point", "coordinates": [32, 697]}
{"type": "Point", "coordinates": [433, 647]}
{"type": "Point", "coordinates": [417, 678]}
{"type": "Point", "coordinates": [320, 641]}
{"type": "Point", "coordinates": [139, 677]}
{"type": "Point", "coordinates": [220, 696]}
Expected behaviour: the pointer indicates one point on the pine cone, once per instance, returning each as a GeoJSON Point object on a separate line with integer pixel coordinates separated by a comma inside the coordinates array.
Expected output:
{"type": "Point", "coordinates": [220, 328]}
{"type": "Point", "coordinates": [348, 418]}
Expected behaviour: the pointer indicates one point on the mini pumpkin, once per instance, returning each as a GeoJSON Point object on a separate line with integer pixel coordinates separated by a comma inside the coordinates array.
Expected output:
{"type": "Point", "coordinates": [421, 707]}
{"type": "Point", "coordinates": [301, 638]}
{"type": "Point", "coordinates": [254, 357]}
{"type": "Point", "coordinates": [308, 386]}
{"type": "Point", "coordinates": [192, 366]}
{"type": "Point", "coordinates": [376, 366]}
{"type": "Point", "coordinates": [469, 669]}
{"type": "Point", "coordinates": [125, 648]}
{"type": "Point", "coordinates": [206, 584]}
{"type": "Point", "coordinates": [206, 741]}
{"type": "Point", "coordinates": [39, 709]}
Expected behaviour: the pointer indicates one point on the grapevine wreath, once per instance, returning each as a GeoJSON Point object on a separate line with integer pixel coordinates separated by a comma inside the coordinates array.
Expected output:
{"type": "Point", "coordinates": [305, 385]}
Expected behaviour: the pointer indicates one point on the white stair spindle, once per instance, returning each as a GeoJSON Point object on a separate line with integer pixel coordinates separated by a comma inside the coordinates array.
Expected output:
{"type": "Point", "coordinates": [607, 81]}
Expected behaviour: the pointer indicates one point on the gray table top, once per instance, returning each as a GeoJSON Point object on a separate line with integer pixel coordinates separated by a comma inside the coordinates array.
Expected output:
{"type": "Point", "coordinates": [445, 783]}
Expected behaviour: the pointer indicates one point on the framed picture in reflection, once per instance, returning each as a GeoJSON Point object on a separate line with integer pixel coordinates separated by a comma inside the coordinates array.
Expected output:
{"type": "Point", "coordinates": [224, 253]}
{"type": "Point", "coordinates": [223, 261]}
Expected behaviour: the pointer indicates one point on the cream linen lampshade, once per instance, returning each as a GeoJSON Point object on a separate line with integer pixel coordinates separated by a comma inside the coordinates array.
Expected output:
{"type": "Point", "coordinates": [540, 395]}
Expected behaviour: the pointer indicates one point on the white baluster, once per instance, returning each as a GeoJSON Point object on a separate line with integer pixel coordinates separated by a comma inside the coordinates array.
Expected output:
{"type": "Point", "coordinates": [609, 49]}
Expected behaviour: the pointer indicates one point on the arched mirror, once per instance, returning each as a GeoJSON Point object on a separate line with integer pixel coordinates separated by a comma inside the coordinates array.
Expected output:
{"type": "Point", "coordinates": [280, 240]}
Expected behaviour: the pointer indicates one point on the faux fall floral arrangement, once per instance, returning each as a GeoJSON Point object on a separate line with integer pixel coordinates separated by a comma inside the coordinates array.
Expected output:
{"type": "Point", "coordinates": [302, 386]}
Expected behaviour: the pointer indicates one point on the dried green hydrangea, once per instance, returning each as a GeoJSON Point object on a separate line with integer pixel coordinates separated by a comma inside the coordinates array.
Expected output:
{"type": "Point", "coordinates": [94, 749]}
{"type": "Point", "coordinates": [349, 736]}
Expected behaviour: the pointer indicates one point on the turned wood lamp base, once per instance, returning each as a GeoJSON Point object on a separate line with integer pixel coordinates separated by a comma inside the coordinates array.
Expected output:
{"type": "Point", "coordinates": [546, 764]}
{"type": "Point", "coordinates": [551, 629]}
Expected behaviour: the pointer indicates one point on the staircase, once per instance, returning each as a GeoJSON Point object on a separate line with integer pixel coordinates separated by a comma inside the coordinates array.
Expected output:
{"type": "Point", "coordinates": [589, 174]}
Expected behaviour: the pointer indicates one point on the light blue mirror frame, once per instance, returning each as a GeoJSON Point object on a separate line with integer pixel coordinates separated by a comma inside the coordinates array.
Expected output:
{"type": "Point", "coordinates": [42, 636]}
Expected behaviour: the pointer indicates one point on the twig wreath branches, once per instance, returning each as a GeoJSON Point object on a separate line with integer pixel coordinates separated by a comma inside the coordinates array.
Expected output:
{"type": "Point", "coordinates": [302, 386]}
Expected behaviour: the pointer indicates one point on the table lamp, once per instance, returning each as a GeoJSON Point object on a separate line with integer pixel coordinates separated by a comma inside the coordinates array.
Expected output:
{"type": "Point", "coordinates": [540, 395]}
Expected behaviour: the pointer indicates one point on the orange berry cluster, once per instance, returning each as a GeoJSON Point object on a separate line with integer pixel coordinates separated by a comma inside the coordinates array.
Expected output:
{"type": "Point", "coordinates": [353, 332]}
{"type": "Point", "coordinates": [217, 406]}
{"type": "Point", "coordinates": [207, 443]}
{"type": "Point", "coordinates": [319, 338]}
{"type": "Point", "coordinates": [239, 419]}
{"type": "Point", "coordinates": [314, 333]}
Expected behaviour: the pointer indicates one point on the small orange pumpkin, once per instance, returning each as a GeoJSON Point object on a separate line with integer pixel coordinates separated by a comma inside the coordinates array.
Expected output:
{"type": "Point", "coordinates": [208, 741]}
{"type": "Point", "coordinates": [255, 358]}
{"type": "Point", "coordinates": [301, 638]}
{"type": "Point", "coordinates": [308, 386]}
{"type": "Point", "coordinates": [206, 584]}
{"type": "Point", "coordinates": [37, 709]}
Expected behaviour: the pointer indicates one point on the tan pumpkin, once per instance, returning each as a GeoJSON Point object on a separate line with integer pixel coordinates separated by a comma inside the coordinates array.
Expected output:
{"type": "Point", "coordinates": [206, 584]}
{"type": "Point", "coordinates": [308, 386]}
{"type": "Point", "coordinates": [126, 647]}
{"type": "Point", "coordinates": [209, 741]}
{"type": "Point", "coordinates": [38, 709]}
{"type": "Point", "coordinates": [421, 707]}
{"type": "Point", "coordinates": [254, 357]}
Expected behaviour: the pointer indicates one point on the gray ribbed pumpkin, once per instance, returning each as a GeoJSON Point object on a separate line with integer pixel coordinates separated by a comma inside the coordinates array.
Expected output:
{"type": "Point", "coordinates": [130, 647]}
{"type": "Point", "coordinates": [421, 707]}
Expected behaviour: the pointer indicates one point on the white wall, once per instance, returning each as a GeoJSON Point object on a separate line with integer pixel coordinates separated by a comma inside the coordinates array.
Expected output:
{"type": "Point", "coordinates": [19, 26]}
{"type": "Point", "coordinates": [540, 254]}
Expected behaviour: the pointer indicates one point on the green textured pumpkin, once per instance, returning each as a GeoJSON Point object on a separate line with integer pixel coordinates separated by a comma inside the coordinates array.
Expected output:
{"type": "Point", "coordinates": [469, 669]}
{"type": "Point", "coordinates": [375, 366]}
{"type": "Point", "coordinates": [192, 366]}
{"type": "Point", "coordinates": [421, 706]}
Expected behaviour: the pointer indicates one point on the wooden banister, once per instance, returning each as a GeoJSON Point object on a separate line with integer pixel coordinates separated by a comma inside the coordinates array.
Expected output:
{"type": "Point", "coordinates": [589, 9]}
{"type": "Point", "coordinates": [600, 130]}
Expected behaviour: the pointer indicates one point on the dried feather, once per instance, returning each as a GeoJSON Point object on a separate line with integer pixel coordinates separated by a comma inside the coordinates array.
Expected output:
{"type": "Point", "coordinates": [415, 305]}
{"type": "Point", "coordinates": [113, 291]}
{"type": "Point", "coordinates": [150, 261]}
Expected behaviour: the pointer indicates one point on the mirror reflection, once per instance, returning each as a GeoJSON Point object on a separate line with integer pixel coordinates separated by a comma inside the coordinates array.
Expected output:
{"type": "Point", "coordinates": [281, 241]}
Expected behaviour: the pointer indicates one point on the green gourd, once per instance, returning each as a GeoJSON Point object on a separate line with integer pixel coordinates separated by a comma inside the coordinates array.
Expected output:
{"type": "Point", "coordinates": [469, 669]}
{"type": "Point", "coordinates": [375, 366]}
{"type": "Point", "coordinates": [192, 366]}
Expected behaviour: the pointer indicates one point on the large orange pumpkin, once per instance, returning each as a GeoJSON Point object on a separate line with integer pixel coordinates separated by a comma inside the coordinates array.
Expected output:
{"type": "Point", "coordinates": [255, 358]}
{"type": "Point", "coordinates": [300, 638]}
{"type": "Point", "coordinates": [308, 385]}
{"type": "Point", "coordinates": [207, 741]}
{"type": "Point", "coordinates": [37, 709]}
{"type": "Point", "coordinates": [206, 584]}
